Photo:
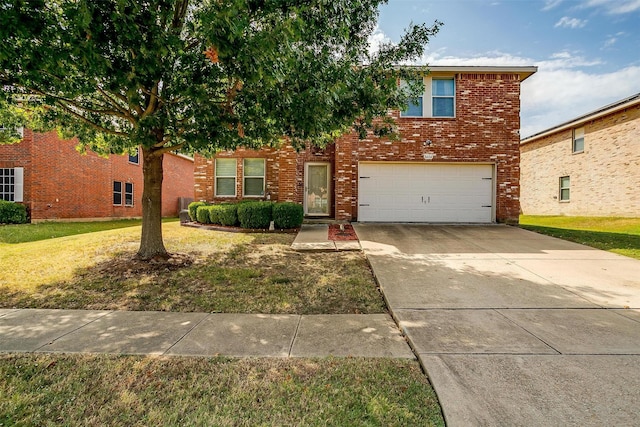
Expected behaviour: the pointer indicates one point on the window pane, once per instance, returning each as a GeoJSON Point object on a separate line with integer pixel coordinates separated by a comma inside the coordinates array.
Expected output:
{"type": "Point", "coordinates": [578, 133]}
{"type": "Point", "coordinates": [442, 87]}
{"type": "Point", "coordinates": [134, 158]}
{"type": "Point", "coordinates": [225, 167]}
{"type": "Point", "coordinates": [253, 167]}
{"type": "Point", "coordinates": [225, 186]}
{"type": "Point", "coordinates": [564, 194]}
{"type": "Point", "coordinates": [443, 107]}
{"type": "Point", "coordinates": [578, 145]}
{"type": "Point", "coordinates": [413, 109]}
{"type": "Point", "coordinates": [117, 186]}
{"type": "Point", "coordinates": [253, 186]}
{"type": "Point", "coordinates": [564, 182]}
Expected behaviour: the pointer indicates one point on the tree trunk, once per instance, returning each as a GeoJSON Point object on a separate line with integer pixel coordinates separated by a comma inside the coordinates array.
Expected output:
{"type": "Point", "coordinates": [151, 244]}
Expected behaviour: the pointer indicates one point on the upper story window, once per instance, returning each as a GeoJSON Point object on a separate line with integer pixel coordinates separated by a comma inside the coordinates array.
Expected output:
{"type": "Point", "coordinates": [118, 193]}
{"type": "Point", "coordinates": [135, 157]}
{"type": "Point", "coordinates": [225, 184]}
{"type": "Point", "coordinates": [438, 99]}
{"type": "Point", "coordinates": [11, 184]}
{"type": "Point", "coordinates": [578, 140]}
{"type": "Point", "coordinates": [254, 177]}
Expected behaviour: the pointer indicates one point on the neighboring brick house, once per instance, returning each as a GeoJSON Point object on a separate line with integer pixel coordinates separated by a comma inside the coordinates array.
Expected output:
{"type": "Point", "coordinates": [55, 181]}
{"type": "Point", "coordinates": [589, 166]}
{"type": "Point", "coordinates": [458, 159]}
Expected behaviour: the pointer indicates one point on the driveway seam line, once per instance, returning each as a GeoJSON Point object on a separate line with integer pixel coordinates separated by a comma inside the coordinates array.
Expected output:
{"type": "Point", "coordinates": [295, 336]}
{"type": "Point", "coordinates": [164, 353]}
{"type": "Point", "coordinates": [527, 331]}
{"type": "Point", "coordinates": [38, 349]}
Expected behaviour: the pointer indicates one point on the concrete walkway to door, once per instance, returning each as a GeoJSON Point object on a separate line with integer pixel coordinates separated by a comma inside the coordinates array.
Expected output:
{"type": "Point", "coordinates": [512, 327]}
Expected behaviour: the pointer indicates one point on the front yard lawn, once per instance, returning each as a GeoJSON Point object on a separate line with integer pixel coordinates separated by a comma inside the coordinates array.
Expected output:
{"type": "Point", "coordinates": [218, 272]}
{"type": "Point", "coordinates": [618, 235]}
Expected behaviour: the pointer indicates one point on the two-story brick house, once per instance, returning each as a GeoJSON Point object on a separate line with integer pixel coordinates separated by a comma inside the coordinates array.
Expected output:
{"type": "Point", "coordinates": [588, 166]}
{"type": "Point", "coordinates": [56, 182]}
{"type": "Point", "coordinates": [458, 159]}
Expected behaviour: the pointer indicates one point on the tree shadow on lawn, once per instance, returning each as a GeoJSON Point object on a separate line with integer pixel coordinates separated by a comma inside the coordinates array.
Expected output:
{"type": "Point", "coordinates": [248, 278]}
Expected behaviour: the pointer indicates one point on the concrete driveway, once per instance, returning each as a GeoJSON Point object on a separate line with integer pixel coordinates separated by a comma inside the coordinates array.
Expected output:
{"type": "Point", "coordinates": [512, 327]}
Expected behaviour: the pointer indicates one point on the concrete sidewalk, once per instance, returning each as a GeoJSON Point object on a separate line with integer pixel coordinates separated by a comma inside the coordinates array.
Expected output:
{"type": "Point", "coordinates": [514, 328]}
{"type": "Point", "coordinates": [200, 334]}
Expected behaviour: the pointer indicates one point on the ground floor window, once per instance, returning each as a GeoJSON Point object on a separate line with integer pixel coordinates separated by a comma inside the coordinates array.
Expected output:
{"type": "Point", "coordinates": [565, 183]}
{"type": "Point", "coordinates": [253, 174]}
{"type": "Point", "coordinates": [225, 185]}
{"type": "Point", "coordinates": [11, 184]}
{"type": "Point", "coordinates": [121, 192]}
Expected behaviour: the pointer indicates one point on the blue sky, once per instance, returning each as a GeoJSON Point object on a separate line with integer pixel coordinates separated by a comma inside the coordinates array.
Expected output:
{"type": "Point", "coordinates": [588, 52]}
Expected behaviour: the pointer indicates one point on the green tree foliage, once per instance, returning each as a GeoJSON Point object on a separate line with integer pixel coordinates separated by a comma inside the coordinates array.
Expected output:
{"type": "Point", "coordinates": [198, 76]}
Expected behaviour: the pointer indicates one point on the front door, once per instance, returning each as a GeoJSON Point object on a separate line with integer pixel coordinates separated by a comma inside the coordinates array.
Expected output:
{"type": "Point", "coordinates": [317, 189]}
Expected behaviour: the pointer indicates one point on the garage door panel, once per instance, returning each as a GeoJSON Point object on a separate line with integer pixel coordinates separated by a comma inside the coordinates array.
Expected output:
{"type": "Point", "coordinates": [418, 192]}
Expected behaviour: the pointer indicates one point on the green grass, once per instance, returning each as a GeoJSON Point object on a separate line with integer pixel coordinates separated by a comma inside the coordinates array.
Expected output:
{"type": "Point", "coordinates": [91, 390]}
{"type": "Point", "coordinates": [617, 235]}
{"type": "Point", "coordinates": [22, 233]}
{"type": "Point", "coordinates": [224, 272]}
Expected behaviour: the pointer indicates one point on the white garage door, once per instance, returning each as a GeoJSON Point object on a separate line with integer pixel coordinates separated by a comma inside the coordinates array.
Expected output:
{"type": "Point", "coordinates": [418, 192]}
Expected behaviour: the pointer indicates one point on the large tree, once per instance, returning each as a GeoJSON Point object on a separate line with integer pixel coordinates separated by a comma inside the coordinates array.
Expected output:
{"type": "Point", "coordinates": [199, 76]}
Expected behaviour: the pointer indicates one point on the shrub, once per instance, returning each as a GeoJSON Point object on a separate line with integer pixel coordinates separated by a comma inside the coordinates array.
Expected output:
{"type": "Point", "coordinates": [193, 209]}
{"type": "Point", "coordinates": [255, 214]}
{"type": "Point", "coordinates": [202, 214]}
{"type": "Point", "coordinates": [214, 213]}
{"type": "Point", "coordinates": [287, 215]}
{"type": "Point", "coordinates": [228, 214]}
{"type": "Point", "coordinates": [12, 213]}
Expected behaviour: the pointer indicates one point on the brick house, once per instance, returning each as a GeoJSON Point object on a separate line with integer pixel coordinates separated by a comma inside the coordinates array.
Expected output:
{"type": "Point", "coordinates": [55, 181]}
{"type": "Point", "coordinates": [589, 166]}
{"type": "Point", "coordinates": [458, 159]}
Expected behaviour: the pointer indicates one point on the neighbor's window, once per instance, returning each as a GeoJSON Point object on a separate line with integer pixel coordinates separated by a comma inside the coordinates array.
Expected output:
{"type": "Point", "coordinates": [414, 109]}
{"type": "Point", "coordinates": [225, 177]}
{"type": "Point", "coordinates": [443, 97]}
{"type": "Point", "coordinates": [565, 183]}
{"type": "Point", "coordinates": [578, 140]}
{"type": "Point", "coordinates": [253, 177]}
{"type": "Point", "coordinates": [128, 194]}
{"type": "Point", "coordinates": [11, 184]}
{"type": "Point", "coordinates": [135, 157]}
{"type": "Point", "coordinates": [117, 193]}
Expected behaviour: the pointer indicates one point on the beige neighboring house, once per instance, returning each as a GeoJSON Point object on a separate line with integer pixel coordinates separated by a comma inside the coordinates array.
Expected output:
{"type": "Point", "coordinates": [589, 166]}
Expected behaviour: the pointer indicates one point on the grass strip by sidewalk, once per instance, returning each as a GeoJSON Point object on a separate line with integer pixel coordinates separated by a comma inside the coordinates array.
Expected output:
{"type": "Point", "coordinates": [617, 235]}
{"type": "Point", "coordinates": [131, 390]}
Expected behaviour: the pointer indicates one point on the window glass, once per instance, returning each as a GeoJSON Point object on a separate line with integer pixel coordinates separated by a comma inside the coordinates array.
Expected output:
{"type": "Point", "coordinates": [578, 140]}
{"type": "Point", "coordinates": [128, 194]}
{"type": "Point", "coordinates": [442, 87]}
{"type": "Point", "coordinates": [117, 193]}
{"type": "Point", "coordinates": [225, 177]}
{"type": "Point", "coordinates": [565, 184]}
{"type": "Point", "coordinates": [414, 109]}
{"type": "Point", "coordinates": [253, 177]}
{"type": "Point", "coordinates": [134, 158]}
{"type": "Point", "coordinates": [443, 95]}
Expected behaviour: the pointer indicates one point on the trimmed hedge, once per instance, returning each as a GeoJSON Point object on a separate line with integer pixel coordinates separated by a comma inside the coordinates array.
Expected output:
{"type": "Point", "coordinates": [193, 209]}
{"type": "Point", "coordinates": [202, 214]}
{"type": "Point", "coordinates": [228, 214]}
{"type": "Point", "coordinates": [255, 214]}
{"type": "Point", "coordinates": [12, 213]}
{"type": "Point", "coordinates": [287, 215]}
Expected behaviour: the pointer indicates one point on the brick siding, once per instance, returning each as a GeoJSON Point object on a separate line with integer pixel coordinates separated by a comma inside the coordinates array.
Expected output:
{"type": "Point", "coordinates": [605, 177]}
{"type": "Point", "coordinates": [61, 183]}
{"type": "Point", "coordinates": [485, 130]}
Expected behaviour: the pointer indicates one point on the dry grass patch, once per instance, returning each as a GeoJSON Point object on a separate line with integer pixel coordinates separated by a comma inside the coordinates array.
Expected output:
{"type": "Point", "coordinates": [215, 272]}
{"type": "Point", "coordinates": [129, 390]}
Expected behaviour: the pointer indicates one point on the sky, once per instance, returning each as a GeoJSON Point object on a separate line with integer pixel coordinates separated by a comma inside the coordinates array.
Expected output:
{"type": "Point", "coordinates": [587, 52]}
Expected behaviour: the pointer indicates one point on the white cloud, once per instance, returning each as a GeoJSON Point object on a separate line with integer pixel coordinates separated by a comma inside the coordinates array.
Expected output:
{"type": "Point", "coordinates": [609, 42]}
{"type": "Point", "coordinates": [566, 22]}
{"type": "Point", "coordinates": [614, 7]}
{"type": "Point", "coordinates": [377, 39]}
{"type": "Point", "coordinates": [551, 4]}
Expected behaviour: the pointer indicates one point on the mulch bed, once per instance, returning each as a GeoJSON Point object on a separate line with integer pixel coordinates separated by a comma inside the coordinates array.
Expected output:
{"type": "Point", "coordinates": [345, 233]}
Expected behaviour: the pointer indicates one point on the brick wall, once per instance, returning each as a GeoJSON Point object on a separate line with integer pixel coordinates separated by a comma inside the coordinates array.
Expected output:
{"type": "Point", "coordinates": [61, 183]}
{"type": "Point", "coordinates": [485, 130]}
{"type": "Point", "coordinates": [605, 177]}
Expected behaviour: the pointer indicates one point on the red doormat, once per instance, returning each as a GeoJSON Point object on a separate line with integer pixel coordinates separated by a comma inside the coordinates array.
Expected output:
{"type": "Point", "coordinates": [344, 233]}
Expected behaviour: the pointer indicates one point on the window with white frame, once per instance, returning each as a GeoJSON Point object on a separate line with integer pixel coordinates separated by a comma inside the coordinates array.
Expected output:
{"type": "Point", "coordinates": [438, 99]}
{"type": "Point", "coordinates": [122, 192]}
{"type": "Point", "coordinates": [225, 175]}
{"type": "Point", "coordinates": [565, 184]}
{"type": "Point", "coordinates": [443, 97]}
{"type": "Point", "coordinates": [253, 177]}
{"type": "Point", "coordinates": [11, 184]}
{"type": "Point", "coordinates": [578, 140]}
